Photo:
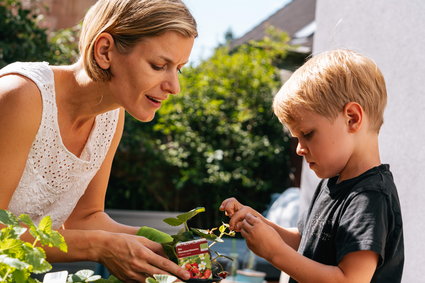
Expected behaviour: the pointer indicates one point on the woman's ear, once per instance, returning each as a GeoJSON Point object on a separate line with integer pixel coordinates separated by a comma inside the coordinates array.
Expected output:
{"type": "Point", "coordinates": [102, 50]}
{"type": "Point", "coordinates": [354, 116]}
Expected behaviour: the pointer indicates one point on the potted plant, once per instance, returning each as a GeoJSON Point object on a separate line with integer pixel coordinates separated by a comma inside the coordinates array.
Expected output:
{"type": "Point", "coordinates": [187, 247]}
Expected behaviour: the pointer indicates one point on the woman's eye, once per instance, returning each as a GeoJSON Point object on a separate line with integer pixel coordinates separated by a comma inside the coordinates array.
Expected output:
{"type": "Point", "coordinates": [179, 71]}
{"type": "Point", "coordinates": [157, 68]}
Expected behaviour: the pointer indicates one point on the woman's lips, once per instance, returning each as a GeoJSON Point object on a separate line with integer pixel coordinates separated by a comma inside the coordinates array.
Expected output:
{"type": "Point", "coordinates": [155, 101]}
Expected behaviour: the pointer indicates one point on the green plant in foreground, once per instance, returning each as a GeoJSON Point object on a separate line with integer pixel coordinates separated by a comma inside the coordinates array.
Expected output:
{"type": "Point", "coordinates": [18, 258]}
{"type": "Point", "coordinates": [169, 242]}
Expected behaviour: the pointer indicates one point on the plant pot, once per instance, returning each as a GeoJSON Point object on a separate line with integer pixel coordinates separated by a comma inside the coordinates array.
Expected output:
{"type": "Point", "coordinates": [195, 280]}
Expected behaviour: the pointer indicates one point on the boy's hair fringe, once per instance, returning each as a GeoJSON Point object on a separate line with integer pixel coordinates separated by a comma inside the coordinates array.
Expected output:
{"type": "Point", "coordinates": [330, 80]}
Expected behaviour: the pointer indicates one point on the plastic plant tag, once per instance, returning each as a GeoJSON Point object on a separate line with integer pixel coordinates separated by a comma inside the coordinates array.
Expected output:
{"type": "Point", "coordinates": [194, 256]}
{"type": "Point", "coordinates": [55, 277]}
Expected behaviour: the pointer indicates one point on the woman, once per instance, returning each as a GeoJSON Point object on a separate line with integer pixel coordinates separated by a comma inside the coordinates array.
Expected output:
{"type": "Point", "coordinates": [61, 125]}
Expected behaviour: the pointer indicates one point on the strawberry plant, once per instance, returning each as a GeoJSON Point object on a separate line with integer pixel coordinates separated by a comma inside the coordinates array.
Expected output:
{"type": "Point", "coordinates": [186, 234]}
{"type": "Point", "coordinates": [18, 258]}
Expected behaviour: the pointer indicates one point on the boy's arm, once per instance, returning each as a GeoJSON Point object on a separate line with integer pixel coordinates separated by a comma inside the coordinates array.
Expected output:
{"type": "Point", "coordinates": [264, 241]}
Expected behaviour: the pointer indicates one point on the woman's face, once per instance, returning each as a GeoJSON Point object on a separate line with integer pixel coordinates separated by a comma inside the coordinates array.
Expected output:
{"type": "Point", "coordinates": [143, 78]}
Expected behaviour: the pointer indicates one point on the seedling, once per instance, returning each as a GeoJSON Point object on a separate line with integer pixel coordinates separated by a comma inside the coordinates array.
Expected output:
{"type": "Point", "coordinates": [187, 234]}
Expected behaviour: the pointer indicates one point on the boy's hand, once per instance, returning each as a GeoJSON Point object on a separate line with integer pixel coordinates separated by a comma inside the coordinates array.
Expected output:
{"type": "Point", "coordinates": [261, 238]}
{"type": "Point", "coordinates": [236, 211]}
{"type": "Point", "coordinates": [230, 206]}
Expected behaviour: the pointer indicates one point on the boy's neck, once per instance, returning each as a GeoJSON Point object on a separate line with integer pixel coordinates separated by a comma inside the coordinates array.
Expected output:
{"type": "Point", "coordinates": [365, 156]}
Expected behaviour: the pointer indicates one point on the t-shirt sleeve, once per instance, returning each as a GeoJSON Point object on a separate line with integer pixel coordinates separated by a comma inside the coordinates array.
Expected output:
{"type": "Point", "coordinates": [363, 225]}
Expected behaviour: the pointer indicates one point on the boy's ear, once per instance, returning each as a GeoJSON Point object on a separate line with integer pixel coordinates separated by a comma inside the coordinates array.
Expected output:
{"type": "Point", "coordinates": [102, 50]}
{"type": "Point", "coordinates": [354, 116]}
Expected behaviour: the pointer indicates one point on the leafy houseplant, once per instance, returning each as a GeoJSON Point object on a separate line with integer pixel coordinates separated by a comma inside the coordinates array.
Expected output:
{"type": "Point", "coordinates": [18, 259]}
{"type": "Point", "coordinates": [186, 234]}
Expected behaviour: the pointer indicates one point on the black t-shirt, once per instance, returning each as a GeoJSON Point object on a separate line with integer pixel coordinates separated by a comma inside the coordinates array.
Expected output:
{"type": "Point", "coordinates": [362, 213]}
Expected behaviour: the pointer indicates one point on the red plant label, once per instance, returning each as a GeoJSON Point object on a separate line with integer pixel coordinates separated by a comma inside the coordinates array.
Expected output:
{"type": "Point", "coordinates": [194, 256]}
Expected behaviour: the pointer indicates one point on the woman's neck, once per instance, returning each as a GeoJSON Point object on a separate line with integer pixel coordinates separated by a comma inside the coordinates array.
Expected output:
{"type": "Point", "coordinates": [78, 96]}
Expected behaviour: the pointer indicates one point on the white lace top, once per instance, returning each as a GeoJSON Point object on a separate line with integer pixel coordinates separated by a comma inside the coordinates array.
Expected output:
{"type": "Point", "coordinates": [54, 179]}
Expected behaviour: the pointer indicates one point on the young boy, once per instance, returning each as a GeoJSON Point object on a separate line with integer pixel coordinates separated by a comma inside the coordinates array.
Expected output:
{"type": "Point", "coordinates": [352, 231]}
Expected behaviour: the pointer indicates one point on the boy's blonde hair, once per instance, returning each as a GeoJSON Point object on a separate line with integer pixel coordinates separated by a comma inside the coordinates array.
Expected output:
{"type": "Point", "coordinates": [330, 80]}
{"type": "Point", "coordinates": [129, 21]}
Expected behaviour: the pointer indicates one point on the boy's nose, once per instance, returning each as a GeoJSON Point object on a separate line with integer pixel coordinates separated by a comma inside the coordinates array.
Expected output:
{"type": "Point", "coordinates": [301, 150]}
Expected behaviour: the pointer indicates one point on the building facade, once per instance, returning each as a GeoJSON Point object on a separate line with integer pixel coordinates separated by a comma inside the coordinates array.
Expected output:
{"type": "Point", "coordinates": [392, 33]}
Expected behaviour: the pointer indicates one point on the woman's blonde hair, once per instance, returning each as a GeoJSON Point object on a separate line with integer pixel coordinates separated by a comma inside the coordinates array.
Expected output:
{"type": "Point", "coordinates": [330, 80]}
{"type": "Point", "coordinates": [128, 21]}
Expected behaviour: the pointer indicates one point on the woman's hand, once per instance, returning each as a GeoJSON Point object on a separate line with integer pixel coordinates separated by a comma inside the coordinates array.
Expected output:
{"type": "Point", "coordinates": [133, 258]}
{"type": "Point", "coordinates": [237, 212]}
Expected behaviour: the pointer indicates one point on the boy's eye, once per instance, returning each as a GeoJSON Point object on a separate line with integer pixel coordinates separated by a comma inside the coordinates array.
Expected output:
{"type": "Point", "coordinates": [308, 135]}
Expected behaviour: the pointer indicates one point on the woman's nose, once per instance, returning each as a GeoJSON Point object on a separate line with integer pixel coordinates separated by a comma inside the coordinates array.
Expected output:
{"type": "Point", "coordinates": [171, 84]}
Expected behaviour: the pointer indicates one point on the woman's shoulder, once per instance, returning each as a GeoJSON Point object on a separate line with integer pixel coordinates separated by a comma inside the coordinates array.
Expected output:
{"type": "Point", "coordinates": [19, 92]}
{"type": "Point", "coordinates": [20, 103]}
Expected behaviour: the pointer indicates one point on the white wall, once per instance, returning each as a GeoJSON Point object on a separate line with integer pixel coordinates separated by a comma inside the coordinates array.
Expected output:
{"type": "Point", "coordinates": [392, 32]}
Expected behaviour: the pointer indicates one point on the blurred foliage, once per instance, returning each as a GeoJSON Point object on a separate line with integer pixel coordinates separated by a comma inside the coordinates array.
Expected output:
{"type": "Point", "coordinates": [216, 139]}
{"type": "Point", "coordinates": [22, 38]}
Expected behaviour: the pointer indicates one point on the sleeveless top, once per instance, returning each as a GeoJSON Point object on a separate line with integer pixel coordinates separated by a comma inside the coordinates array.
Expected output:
{"type": "Point", "coordinates": [54, 179]}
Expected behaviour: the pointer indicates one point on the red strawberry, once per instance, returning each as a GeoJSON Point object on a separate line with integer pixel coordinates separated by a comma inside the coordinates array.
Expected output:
{"type": "Point", "coordinates": [223, 274]}
{"type": "Point", "coordinates": [207, 274]}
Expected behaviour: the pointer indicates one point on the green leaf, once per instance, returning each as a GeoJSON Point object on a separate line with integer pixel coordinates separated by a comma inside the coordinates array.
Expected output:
{"type": "Point", "coordinates": [170, 251]}
{"type": "Point", "coordinates": [223, 228]}
{"type": "Point", "coordinates": [57, 240]}
{"type": "Point", "coordinates": [27, 220]}
{"type": "Point", "coordinates": [154, 235]}
{"type": "Point", "coordinates": [8, 244]}
{"type": "Point", "coordinates": [164, 278]}
{"type": "Point", "coordinates": [93, 278]}
{"type": "Point", "coordinates": [45, 225]}
{"type": "Point", "coordinates": [204, 234]}
{"type": "Point", "coordinates": [84, 273]}
{"type": "Point", "coordinates": [150, 280]}
{"type": "Point", "coordinates": [13, 262]}
{"type": "Point", "coordinates": [7, 218]}
{"type": "Point", "coordinates": [36, 257]}
{"type": "Point", "coordinates": [20, 276]}
{"type": "Point", "coordinates": [183, 236]}
{"type": "Point", "coordinates": [183, 218]}
{"type": "Point", "coordinates": [111, 279]}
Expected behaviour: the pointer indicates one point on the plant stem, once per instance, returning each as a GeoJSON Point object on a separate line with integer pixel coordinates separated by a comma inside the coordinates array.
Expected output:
{"type": "Point", "coordinates": [5, 276]}
{"type": "Point", "coordinates": [35, 241]}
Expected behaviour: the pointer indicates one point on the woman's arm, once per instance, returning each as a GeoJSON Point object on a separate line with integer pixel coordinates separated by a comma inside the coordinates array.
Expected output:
{"type": "Point", "coordinates": [92, 235]}
{"type": "Point", "coordinates": [20, 116]}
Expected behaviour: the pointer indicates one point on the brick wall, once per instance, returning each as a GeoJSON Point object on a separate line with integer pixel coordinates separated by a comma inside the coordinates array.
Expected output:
{"type": "Point", "coordinates": [63, 13]}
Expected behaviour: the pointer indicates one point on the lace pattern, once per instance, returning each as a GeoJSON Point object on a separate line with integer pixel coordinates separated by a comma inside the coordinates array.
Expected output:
{"type": "Point", "coordinates": [54, 179]}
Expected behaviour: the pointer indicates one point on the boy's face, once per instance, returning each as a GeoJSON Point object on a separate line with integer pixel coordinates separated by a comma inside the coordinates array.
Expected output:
{"type": "Point", "coordinates": [326, 145]}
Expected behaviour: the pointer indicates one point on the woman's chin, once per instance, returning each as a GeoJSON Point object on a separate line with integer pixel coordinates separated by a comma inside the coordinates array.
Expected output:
{"type": "Point", "coordinates": [143, 117]}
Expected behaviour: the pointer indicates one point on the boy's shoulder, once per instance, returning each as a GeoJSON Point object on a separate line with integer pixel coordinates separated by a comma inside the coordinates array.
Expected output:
{"type": "Point", "coordinates": [378, 179]}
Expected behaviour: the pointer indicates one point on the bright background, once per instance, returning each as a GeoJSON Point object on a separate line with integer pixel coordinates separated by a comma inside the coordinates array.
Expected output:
{"type": "Point", "coordinates": [215, 17]}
